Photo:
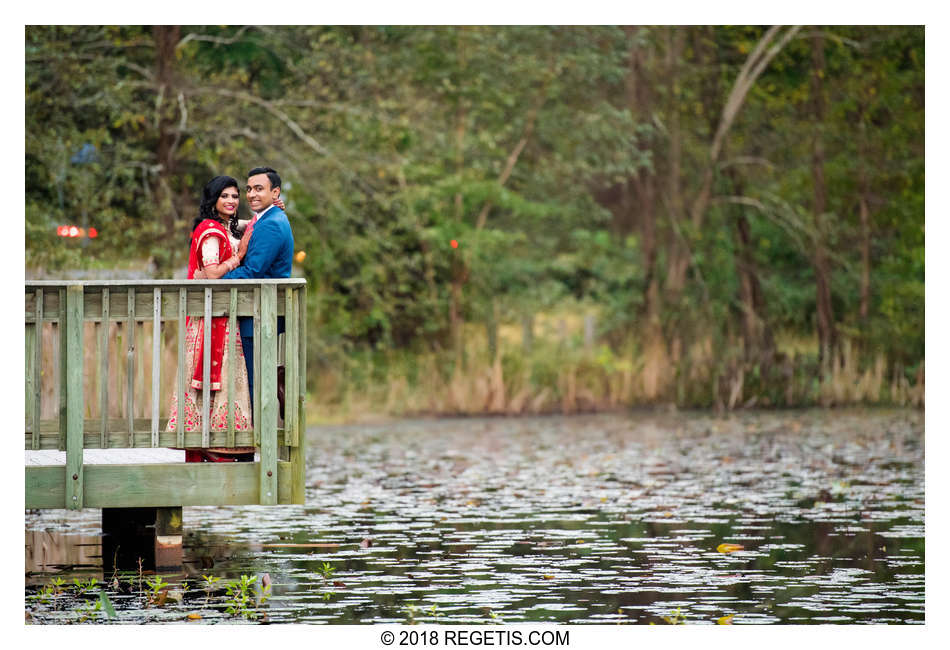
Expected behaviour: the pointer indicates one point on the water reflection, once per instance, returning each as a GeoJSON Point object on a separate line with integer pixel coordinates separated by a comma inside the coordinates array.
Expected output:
{"type": "Point", "coordinates": [586, 519]}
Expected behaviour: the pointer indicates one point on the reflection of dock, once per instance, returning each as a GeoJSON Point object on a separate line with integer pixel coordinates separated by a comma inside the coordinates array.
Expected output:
{"type": "Point", "coordinates": [48, 552]}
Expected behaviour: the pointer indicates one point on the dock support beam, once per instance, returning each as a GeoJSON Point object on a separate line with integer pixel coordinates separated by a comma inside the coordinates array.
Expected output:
{"type": "Point", "coordinates": [152, 534]}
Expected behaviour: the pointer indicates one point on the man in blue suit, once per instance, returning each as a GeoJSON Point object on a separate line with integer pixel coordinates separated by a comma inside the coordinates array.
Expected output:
{"type": "Point", "coordinates": [270, 251]}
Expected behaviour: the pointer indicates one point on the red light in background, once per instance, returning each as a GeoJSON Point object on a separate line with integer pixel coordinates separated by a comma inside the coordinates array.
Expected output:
{"type": "Point", "coordinates": [454, 244]}
{"type": "Point", "coordinates": [74, 231]}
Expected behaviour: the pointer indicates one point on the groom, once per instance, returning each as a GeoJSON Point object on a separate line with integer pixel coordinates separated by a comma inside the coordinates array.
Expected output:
{"type": "Point", "coordinates": [269, 251]}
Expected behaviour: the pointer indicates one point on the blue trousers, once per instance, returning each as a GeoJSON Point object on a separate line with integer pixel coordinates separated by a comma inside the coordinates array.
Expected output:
{"type": "Point", "coordinates": [247, 342]}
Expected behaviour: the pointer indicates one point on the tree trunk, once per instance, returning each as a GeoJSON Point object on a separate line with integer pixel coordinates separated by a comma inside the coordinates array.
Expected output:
{"type": "Point", "coordinates": [864, 211]}
{"type": "Point", "coordinates": [460, 273]}
{"type": "Point", "coordinates": [825, 314]}
{"type": "Point", "coordinates": [643, 184]}
{"type": "Point", "coordinates": [644, 190]}
{"type": "Point", "coordinates": [166, 38]}
{"type": "Point", "coordinates": [755, 64]}
{"type": "Point", "coordinates": [756, 333]}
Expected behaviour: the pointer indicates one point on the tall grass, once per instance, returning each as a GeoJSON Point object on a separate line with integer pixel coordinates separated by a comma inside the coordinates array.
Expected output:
{"type": "Point", "coordinates": [563, 374]}
{"type": "Point", "coordinates": [560, 373]}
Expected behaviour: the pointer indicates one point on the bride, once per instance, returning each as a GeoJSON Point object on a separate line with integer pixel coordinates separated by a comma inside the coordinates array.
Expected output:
{"type": "Point", "coordinates": [212, 250]}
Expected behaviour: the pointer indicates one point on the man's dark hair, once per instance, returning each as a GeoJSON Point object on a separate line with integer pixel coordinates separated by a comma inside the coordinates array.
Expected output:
{"type": "Point", "coordinates": [272, 175]}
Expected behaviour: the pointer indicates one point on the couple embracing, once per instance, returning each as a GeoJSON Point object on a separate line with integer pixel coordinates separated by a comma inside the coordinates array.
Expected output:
{"type": "Point", "coordinates": [226, 248]}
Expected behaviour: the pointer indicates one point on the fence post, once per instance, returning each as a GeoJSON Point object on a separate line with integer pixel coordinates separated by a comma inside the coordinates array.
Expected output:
{"type": "Point", "coordinates": [298, 453]}
{"type": "Point", "coordinates": [266, 390]}
{"type": "Point", "coordinates": [73, 333]}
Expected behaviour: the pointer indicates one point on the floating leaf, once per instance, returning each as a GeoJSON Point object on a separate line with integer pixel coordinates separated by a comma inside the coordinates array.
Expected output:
{"type": "Point", "coordinates": [107, 604]}
{"type": "Point", "coordinates": [730, 548]}
{"type": "Point", "coordinates": [194, 617]}
{"type": "Point", "coordinates": [725, 620]}
{"type": "Point", "coordinates": [548, 576]}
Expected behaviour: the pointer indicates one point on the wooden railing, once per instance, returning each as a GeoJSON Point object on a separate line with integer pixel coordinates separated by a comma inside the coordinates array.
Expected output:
{"type": "Point", "coordinates": [103, 322]}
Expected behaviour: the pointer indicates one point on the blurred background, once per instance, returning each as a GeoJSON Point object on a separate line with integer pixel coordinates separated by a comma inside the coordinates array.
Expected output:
{"type": "Point", "coordinates": [519, 219]}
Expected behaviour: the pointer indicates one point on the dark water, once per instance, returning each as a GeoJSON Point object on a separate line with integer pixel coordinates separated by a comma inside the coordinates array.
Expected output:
{"type": "Point", "coordinates": [598, 519]}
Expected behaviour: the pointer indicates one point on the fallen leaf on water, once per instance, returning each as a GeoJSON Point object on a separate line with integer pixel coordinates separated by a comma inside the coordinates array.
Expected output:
{"type": "Point", "coordinates": [548, 576]}
{"type": "Point", "coordinates": [725, 620]}
{"type": "Point", "coordinates": [194, 617]}
{"type": "Point", "coordinates": [730, 548]}
{"type": "Point", "coordinates": [337, 583]}
{"type": "Point", "coordinates": [580, 541]}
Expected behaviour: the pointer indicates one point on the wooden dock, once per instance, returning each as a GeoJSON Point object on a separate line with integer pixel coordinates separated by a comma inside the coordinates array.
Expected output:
{"type": "Point", "coordinates": [92, 449]}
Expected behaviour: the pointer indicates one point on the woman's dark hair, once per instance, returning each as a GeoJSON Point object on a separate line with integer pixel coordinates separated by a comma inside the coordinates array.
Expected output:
{"type": "Point", "coordinates": [209, 199]}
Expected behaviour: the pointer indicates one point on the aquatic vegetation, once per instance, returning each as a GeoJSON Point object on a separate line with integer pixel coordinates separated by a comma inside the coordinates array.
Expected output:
{"type": "Point", "coordinates": [326, 570]}
{"type": "Point", "coordinates": [82, 586]}
{"type": "Point", "coordinates": [157, 592]}
{"type": "Point", "coordinates": [676, 618]}
{"type": "Point", "coordinates": [241, 602]}
{"type": "Point", "coordinates": [541, 485]}
{"type": "Point", "coordinates": [210, 584]}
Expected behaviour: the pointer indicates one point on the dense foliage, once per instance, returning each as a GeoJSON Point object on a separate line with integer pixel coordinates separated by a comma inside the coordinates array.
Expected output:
{"type": "Point", "coordinates": [738, 205]}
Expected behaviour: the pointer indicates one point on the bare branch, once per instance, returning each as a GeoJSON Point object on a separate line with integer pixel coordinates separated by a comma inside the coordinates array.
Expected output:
{"type": "Point", "coordinates": [183, 123]}
{"type": "Point", "coordinates": [514, 155]}
{"type": "Point", "coordinates": [747, 160]}
{"type": "Point", "coordinates": [217, 40]}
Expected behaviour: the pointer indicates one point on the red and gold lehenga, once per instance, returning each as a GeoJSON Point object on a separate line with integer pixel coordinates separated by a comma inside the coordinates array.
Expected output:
{"type": "Point", "coordinates": [210, 245]}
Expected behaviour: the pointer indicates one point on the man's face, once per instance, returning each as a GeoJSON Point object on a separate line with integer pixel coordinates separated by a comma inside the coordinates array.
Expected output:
{"type": "Point", "coordinates": [260, 195]}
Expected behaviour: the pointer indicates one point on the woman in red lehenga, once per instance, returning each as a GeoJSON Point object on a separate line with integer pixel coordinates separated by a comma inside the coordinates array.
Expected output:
{"type": "Point", "coordinates": [212, 251]}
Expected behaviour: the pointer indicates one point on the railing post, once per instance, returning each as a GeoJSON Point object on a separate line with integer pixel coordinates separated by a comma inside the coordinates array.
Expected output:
{"type": "Point", "coordinates": [61, 363]}
{"type": "Point", "coordinates": [180, 385]}
{"type": "Point", "coordinates": [37, 352]}
{"type": "Point", "coordinates": [72, 313]}
{"type": "Point", "coordinates": [266, 389]}
{"type": "Point", "coordinates": [156, 360]}
{"type": "Point", "coordinates": [104, 371]}
{"type": "Point", "coordinates": [298, 453]}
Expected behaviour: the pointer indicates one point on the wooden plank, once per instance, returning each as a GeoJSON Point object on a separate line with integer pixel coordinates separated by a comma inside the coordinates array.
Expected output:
{"type": "Point", "coordinates": [74, 398]}
{"type": "Point", "coordinates": [298, 453]}
{"type": "Point", "coordinates": [268, 395]}
{"type": "Point", "coordinates": [140, 364]}
{"type": "Point", "coordinates": [232, 362]}
{"type": "Point", "coordinates": [257, 368]}
{"type": "Point", "coordinates": [206, 370]}
{"type": "Point", "coordinates": [180, 386]}
{"type": "Point", "coordinates": [291, 332]}
{"type": "Point", "coordinates": [118, 437]}
{"type": "Point", "coordinates": [37, 353]}
{"type": "Point", "coordinates": [30, 375]}
{"type": "Point", "coordinates": [143, 302]}
{"type": "Point", "coordinates": [130, 362]}
{"type": "Point", "coordinates": [60, 368]}
{"type": "Point", "coordinates": [156, 360]}
{"type": "Point", "coordinates": [104, 368]}
{"type": "Point", "coordinates": [155, 485]}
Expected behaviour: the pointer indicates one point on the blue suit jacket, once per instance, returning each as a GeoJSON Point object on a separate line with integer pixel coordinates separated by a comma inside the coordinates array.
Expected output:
{"type": "Point", "coordinates": [269, 254]}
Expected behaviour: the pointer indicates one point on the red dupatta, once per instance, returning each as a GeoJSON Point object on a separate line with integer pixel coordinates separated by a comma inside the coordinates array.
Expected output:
{"type": "Point", "coordinates": [208, 228]}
